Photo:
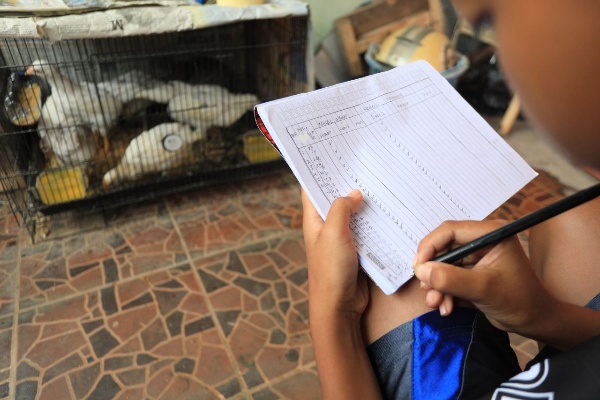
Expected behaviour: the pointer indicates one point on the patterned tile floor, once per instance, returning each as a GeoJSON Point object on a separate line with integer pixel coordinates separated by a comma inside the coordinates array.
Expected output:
{"type": "Point", "coordinates": [199, 296]}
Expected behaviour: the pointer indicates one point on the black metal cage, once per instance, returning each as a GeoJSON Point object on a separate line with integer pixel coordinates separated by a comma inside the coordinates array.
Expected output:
{"type": "Point", "coordinates": [94, 123]}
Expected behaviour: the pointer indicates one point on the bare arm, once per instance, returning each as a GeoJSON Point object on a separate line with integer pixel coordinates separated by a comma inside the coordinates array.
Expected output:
{"type": "Point", "coordinates": [338, 296]}
{"type": "Point", "coordinates": [565, 326]}
{"type": "Point", "coordinates": [345, 371]}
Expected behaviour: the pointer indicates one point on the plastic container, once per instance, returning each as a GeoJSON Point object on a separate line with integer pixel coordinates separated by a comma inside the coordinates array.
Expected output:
{"type": "Point", "coordinates": [451, 74]}
{"type": "Point", "coordinates": [258, 149]}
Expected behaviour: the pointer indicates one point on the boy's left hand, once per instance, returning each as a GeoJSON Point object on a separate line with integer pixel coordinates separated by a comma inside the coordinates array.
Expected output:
{"type": "Point", "coordinates": [336, 286]}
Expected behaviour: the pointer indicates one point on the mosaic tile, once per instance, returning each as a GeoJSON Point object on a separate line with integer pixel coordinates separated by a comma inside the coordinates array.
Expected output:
{"type": "Point", "coordinates": [90, 347]}
{"type": "Point", "coordinates": [267, 340]}
{"type": "Point", "coordinates": [9, 248]}
{"type": "Point", "coordinates": [226, 217]}
{"type": "Point", "coordinates": [6, 336]}
{"type": "Point", "coordinates": [593, 172]}
{"type": "Point", "coordinates": [265, 394]}
{"type": "Point", "coordinates": [8, 287]}
{"type": "Point", "coordinates": [54, 270]}
{"type": "Point", "coordinates": [541, 191]}
{"type": "Point", "coordinates": [140, 211]}
{"type": "Point", "coordinates": [9, 252]}
{"type": "Point", "coordinates": [10, 227]}
{"type": "Point", "coordinates": [303, 385]}
{"type": "Point", "coordinates": [65, 225]}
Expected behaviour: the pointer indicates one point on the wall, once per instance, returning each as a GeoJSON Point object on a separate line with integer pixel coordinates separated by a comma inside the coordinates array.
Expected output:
{"type": "Point", "coordinates": [325, 12]}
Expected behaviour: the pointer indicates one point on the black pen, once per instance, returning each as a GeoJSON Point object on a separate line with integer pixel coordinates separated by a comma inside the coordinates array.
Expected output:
{"type": "Point", "coordinates": [520, 224]}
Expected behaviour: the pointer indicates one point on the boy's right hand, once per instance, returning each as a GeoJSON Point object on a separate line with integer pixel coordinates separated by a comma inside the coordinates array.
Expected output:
{"type": "Point", "coordinates": [499, 280]}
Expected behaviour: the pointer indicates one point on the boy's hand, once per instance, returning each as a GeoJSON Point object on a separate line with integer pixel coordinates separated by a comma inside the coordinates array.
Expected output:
{"type": "Point", "coordinates": [336, 286]}
{"type": "Point", "coordinates": [338, 295]}
{"type": "Point", "coordinates": [498, 280]}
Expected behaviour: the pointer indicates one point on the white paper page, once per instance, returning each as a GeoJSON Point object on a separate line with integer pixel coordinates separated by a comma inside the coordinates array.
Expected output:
{"type": "Point", "coordinates": [417, 151]}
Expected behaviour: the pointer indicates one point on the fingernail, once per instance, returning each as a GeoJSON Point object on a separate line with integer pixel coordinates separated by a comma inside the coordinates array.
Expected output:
{"type": "Point", "coordinates": [443, 310]}
{"type": "Point", "coordinates": [423, 285]}
{"type": "Point", "coordinates": [423, 272]}
{"type": "Point", "coordinates": [430, 298]}
{"type": "Point", "coordinates": [354, 193]}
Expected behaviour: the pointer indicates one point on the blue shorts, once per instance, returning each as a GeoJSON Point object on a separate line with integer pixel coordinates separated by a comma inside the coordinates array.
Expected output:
{"type": "Point", "coordinates": [461, 356]}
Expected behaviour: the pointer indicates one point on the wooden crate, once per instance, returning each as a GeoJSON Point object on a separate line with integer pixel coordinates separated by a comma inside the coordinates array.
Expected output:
{"type": "Point", "coordinates": [373, 23]}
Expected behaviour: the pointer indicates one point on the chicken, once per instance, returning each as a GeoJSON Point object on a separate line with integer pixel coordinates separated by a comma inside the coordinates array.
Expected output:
{"type": "Point", "coordinates": [205, 106]}
{"type": "Point", "coordinates": [137, 89]}
{"type": "Point", "coordinates": [201, 106]}
{"type": "Point", "coordinates": [74, 109]}
{"type": "Point", "coordinates": [155, 150]}
{"type": "Point", "coordinates": [70, 141]}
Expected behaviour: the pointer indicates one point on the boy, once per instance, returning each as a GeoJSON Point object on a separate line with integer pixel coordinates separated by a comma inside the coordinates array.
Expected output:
{"type": "Point", "coordinates": [368, 345]}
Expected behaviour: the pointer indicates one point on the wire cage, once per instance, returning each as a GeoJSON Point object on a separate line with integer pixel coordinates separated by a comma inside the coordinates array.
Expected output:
{"type": "Point", "coordinates": [89, 124]}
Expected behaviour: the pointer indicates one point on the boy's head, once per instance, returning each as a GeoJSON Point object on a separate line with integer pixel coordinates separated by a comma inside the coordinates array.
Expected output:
{"type": "Point", "coordinates": [550, 53]}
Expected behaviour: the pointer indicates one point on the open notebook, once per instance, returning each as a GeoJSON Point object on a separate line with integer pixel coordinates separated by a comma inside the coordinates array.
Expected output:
{"type": "Point", "coordinates": [417, 151]}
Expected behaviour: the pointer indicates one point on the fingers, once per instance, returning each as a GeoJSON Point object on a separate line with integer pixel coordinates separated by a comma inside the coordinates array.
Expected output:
{"type": "Point", "coordinates": [341, 209]}
{"type": "Point", "coordinates": [488, 279]}
{"type": "Point", "coordinates": [447, 305]}
{"type": "Point", "coordinates": [451, 233]}
{"type": "Point", "coordinates": [311, 220]}
{"type": "Point", "coordinates": [452, 281]}
{"type": "Point", "coordinates": [436, 299]}
{"type": "Point", "coordinates": [338, 218]}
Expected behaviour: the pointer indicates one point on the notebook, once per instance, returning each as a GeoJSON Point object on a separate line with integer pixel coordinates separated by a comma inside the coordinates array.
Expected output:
{"type": "Point", "coordinates": [419, 153]}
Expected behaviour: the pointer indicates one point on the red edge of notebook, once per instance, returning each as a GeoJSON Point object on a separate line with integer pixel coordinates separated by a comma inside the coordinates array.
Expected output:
{"type": "Point", "coordinates": [263, 129]}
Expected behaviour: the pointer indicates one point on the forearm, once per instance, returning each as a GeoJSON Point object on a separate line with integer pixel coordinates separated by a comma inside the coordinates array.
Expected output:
{"type": "Point", "coordinates": [565, 326]}
{"type": "Point", "coordinates": [345, 371]}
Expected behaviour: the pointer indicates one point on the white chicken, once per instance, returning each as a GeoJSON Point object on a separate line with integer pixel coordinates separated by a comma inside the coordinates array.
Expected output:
{"type": "Point", "coordinates": [155, 150]}
{"type": "Point", "coordinates": [205, 106]}
{"type": "Point", "coordinates": [201, 106]}
{"type": "Point", "coordinates": [137, 89]}
{"type": "Point", "coordinates": [73, 111]}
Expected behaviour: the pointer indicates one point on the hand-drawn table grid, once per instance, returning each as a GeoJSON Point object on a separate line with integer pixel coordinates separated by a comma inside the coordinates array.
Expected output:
{"type": "Point", "coordinates": [378, 139]}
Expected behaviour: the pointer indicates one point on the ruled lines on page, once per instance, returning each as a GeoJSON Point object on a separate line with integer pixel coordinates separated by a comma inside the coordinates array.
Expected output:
{"type": "Point", "coordinates": [418, 153]}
